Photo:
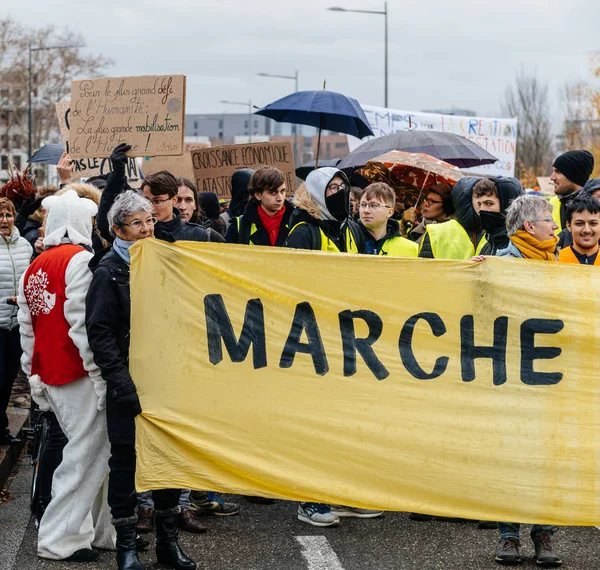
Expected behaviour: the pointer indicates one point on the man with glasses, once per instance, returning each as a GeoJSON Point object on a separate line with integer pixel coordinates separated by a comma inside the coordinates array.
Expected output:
{"type": "Point", "coordinates": [161, 188]}
{"type": "Point", "coordinates": [321, 220]}
{"type": "Point", "coordinates": [381, 231]}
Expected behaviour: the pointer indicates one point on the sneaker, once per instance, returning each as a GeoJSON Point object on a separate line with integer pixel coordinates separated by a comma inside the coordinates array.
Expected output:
{"type": "Point", "coordinates": [189, 522]}
{"type": "Point", "coordinates": [341, 511]}
{"type": "Point", "coordinates": [210, 504]}
{"type": "Point", "coordinates": [317, 514]}
{"type": "Point", "coordinates": [145, 522]}
{"type": "Point", "coordinates": [508, 551]}
{"type": "Point", "coordinates": [544, 554]}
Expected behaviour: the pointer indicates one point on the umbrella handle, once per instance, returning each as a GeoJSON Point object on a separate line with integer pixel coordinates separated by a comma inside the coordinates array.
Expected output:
{"type": "Point", "coordinates": [319, 141]}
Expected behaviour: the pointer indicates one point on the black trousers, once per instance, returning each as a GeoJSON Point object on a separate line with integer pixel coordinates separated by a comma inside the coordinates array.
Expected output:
{"type": "Point", "coordinates": [10, 355]}
{"type": "Point", "coordinates": [122, 497]}
{"type": "Point", "coordinates": [50, 458]}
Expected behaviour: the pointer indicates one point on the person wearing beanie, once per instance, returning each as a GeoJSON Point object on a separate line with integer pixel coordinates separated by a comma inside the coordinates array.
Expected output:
{"type": "Point", "coordinates": [65, 379]}
{"type": "Point", "coordinates": [570, 172]}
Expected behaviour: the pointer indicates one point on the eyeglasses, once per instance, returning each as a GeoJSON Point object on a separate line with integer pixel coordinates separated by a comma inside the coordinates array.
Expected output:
{"type": "Point", "coordinates": [6, 216]}
{"type": "Point", "coordinates": [430, 201]}
{"type": "Point", "coordinates": [374, 206]}
{"type": "Point", "coordinates": [158, 202]}
{"type": "Point", "coordinates": [137, 224]}
{"type": "Point", "coordinates": [337, 187]}
{"type": "Point", "coordinates": [550, 219]}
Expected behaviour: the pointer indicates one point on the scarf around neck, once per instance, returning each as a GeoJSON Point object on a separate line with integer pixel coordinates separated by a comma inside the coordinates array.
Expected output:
{"type": "Point", "coordinates": [532, 248]}
{"type": "Point", "coordinates": [121, 248]}
{"type": "Point", "coordinates": [271, 223]}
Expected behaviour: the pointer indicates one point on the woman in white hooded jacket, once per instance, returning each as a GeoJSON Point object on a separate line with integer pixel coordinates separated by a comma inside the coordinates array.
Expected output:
{"type": "Point", "coordinates": [15, 255]}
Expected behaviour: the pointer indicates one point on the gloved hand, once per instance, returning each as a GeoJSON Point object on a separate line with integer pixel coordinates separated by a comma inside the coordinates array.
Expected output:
{"type": "Point", "coordinates": [119, 159]}
{"type": "Point", "coordinates": [129, 404]}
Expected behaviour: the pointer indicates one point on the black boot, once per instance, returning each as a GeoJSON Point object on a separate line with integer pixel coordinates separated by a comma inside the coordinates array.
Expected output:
{"type": "Point", "coordinates": [168, 551]}
{"type": "Point", "coordinates": [127, 556]}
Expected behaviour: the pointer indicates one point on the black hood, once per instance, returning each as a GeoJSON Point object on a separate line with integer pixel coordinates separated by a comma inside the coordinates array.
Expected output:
{"type": "Point", "coordinates": [508, 189]}
{"type": "Point", "coordinates": [239, 192]}
{"type": "Point", "coordinates": [592, 185]}
{"type": "Point", "coordinates": [462, 199]}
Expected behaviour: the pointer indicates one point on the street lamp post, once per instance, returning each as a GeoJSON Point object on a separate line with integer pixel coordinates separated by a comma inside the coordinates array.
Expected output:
{"type": "Point", "coordinates": [295, 79]}
{"type": "Point", "coordinates": [383, 13]}
{"type": "Point", "coordinates": [249, 103]}
{"type": "Point", "coordinates": [29, 114]}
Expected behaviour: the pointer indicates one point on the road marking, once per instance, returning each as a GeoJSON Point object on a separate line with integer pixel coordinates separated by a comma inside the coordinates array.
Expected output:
{"type": "Point", "coordinates": [318, 553]}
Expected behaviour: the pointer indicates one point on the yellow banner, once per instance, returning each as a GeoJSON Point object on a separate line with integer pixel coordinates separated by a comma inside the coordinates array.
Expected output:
{"type": "Point", "coordinates": [442, 387]}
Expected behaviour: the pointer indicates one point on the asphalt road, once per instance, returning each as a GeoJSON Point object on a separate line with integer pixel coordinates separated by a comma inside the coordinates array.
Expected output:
{"type": "Point", "coordinates": [271, 538]}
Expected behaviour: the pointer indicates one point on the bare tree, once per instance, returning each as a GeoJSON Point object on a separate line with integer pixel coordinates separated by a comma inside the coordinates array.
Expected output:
{"type": "Point", "coordinates": [528, 101]}
{"type": "Point", "coordinates": [52, 73]}
{"type": "Point", "coordinates": [577, 115]}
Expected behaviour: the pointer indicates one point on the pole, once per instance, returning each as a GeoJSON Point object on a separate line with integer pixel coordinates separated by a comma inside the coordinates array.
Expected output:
{"type": "Point", "coordinates": [385, 13]}
{"type": "Point", "coordinates": [297, 149]}
{"type": "Point", "coordinates": [29, 143]}
{"type": "Point", "coordinates": [250, 120]}
{"type": "Point", "coordinates": [319, 141]}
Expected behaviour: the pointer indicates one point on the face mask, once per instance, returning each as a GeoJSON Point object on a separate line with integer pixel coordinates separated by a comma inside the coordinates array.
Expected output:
{"type": "Point", "coordinates": [337, 204]}
{"type": "Point", "coordinates": [491, 221]}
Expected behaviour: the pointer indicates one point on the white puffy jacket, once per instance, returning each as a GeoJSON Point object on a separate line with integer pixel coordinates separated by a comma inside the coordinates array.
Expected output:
{"type": "Point", "coordinates": [15, 256]}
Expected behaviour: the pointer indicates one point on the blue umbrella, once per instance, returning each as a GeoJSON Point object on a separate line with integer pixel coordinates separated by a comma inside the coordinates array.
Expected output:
{"type": "Point", "coordinates": [322, 109]}
{"type": "Point", "coordinates": [48, 154]}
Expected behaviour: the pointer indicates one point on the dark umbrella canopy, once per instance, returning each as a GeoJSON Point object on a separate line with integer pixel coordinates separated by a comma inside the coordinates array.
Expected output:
{"type": "Point", "coordinates": [304, 170]}
{"type": "Point", "coordinates": [448, 147]}
{"type": "Point", "coordinates": [323, 109]}
{"type": "Point", "coordinates": [48, 154]}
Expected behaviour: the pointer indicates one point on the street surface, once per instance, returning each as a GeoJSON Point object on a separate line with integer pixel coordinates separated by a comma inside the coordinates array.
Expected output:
{"type": "Point", "coordinates": [269, 537]}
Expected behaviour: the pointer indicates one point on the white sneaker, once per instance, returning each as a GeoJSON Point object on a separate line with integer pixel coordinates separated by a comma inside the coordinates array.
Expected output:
{"type": "Point", "coordinates": [317, 514]}
{"type": "Point", "coordinates": [341, 511]}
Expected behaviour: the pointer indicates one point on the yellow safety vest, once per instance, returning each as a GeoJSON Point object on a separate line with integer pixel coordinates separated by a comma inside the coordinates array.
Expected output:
{"type": "Point", "coordinates": [398, 246]}
{"type": "Point", "coordinates": [450, 240]}
{"type": "Point", "coordinates": [556, 213]}
{"type": "Point", "coordinates": [328, 245]}
{"type": "Point", "coordinates": [253, 229]}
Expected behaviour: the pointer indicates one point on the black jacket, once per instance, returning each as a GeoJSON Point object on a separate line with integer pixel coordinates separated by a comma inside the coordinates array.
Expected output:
{"type": "Point", "coordinates": [307, 235]}
{"type": "Point", "coordinates": [260, 236]}
{"type": "Point", "coordinates": [373, 246]}
{"type": "Point", "coordinates": [465, 215]}
{"type": "Point", "coordinates": [108, 309]}
{"type": "Point", "coordinates": [174, 230]}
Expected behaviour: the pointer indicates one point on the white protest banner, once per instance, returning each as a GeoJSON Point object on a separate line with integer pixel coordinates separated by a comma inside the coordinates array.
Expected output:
{"type": "Point", "coordinates": [146, 112]}
{"type": "Point", "coordinates": [497, 136]}
{"type": "Point", "coordinates": [89, 167]}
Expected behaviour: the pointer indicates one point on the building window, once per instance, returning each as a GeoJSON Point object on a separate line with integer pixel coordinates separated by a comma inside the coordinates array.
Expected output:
{"type": "Point", "coordinates": [17, 141]}
{"type": "Point", "coordinates": [340, 145]}
{"type": "Point", "coordinates": [195, 125]}
{"type": "Point", "coordinates": [4, 162]}
{"type": "Point", "coordinates": [256, 124]}
{"type": "Point", "coordinates": [17, 161]}
{"type": "Point", "coordinates": [246, 126]}
{"type": "Point", "coordinates": [4, 93]}
{"type": "Point", "coordinates": [220, 123]}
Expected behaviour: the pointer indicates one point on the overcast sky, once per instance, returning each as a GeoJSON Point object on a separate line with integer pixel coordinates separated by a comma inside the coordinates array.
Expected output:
{"type": "Point", "coordinates": [442, 54]}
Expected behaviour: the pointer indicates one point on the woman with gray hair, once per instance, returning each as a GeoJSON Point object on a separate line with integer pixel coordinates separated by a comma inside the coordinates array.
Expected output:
{"type": "Point", "coordinates": [108, 308]}
{"type": "Point", "coordinates": [530, 228]}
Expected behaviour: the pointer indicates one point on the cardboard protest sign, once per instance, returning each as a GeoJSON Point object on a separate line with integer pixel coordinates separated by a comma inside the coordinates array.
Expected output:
{"type": "Point", "coordinates": [146, 112]}
{"type": "Point", "coordinates": [88, 167]}
{"type": "Point", "coordinates": [213, 167]}
{"type": "Point", "coordinates": [177, 165]}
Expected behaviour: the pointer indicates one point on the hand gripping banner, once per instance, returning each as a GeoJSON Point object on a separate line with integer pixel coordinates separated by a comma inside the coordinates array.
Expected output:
{"type": "Point", "coordinates": [451, 388]}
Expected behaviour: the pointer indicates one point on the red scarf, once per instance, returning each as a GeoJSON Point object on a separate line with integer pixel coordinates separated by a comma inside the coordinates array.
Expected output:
{"type": "Point", "coordinates": [271, 223]}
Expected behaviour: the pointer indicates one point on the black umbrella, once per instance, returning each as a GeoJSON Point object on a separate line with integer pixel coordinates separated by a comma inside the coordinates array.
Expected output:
{"type": "Point", "coordinates": [48, 154]}
{"type": "Point", "coordinates": [448, 147]}
{"type": "Point", "coordinates": [304, 170]}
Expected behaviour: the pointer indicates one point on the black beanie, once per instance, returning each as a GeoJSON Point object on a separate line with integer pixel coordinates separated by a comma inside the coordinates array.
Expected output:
{"type": "Point", "coordinates": [576, 165]}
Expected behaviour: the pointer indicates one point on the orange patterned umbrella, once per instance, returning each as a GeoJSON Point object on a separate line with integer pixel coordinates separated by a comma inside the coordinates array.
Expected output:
{"type": "Point", "coordinates": [410, 174]}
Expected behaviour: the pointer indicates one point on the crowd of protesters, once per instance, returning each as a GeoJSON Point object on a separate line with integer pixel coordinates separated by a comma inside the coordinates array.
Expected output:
{"type": "Point", "coordinates": [72, 339]}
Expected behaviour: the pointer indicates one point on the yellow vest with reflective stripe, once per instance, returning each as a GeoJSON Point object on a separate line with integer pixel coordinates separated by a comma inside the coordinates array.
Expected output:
{"type": "Point", "coordinates": [328, 245]}
{"type": "Point", "coordinates": [398, 246]}
{"type": "Point", "coordinates": [556, 213]}
{"type": "Point", "coordinates": [450, 240]}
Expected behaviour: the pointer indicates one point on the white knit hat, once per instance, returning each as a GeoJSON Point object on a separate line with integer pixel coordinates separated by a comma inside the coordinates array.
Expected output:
{"type": "Point", "coordinates": [69, 216]}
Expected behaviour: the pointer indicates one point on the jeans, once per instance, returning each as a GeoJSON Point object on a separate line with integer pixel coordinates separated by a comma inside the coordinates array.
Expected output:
{"type": "Point", "coordinates": [10, 355]}
{"type": "Point", "coordinates": [122, 497]}
{"type": "Point", "coordinates": [145, 500]}
{"type": "Point", "coordinates": [511, 530]}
